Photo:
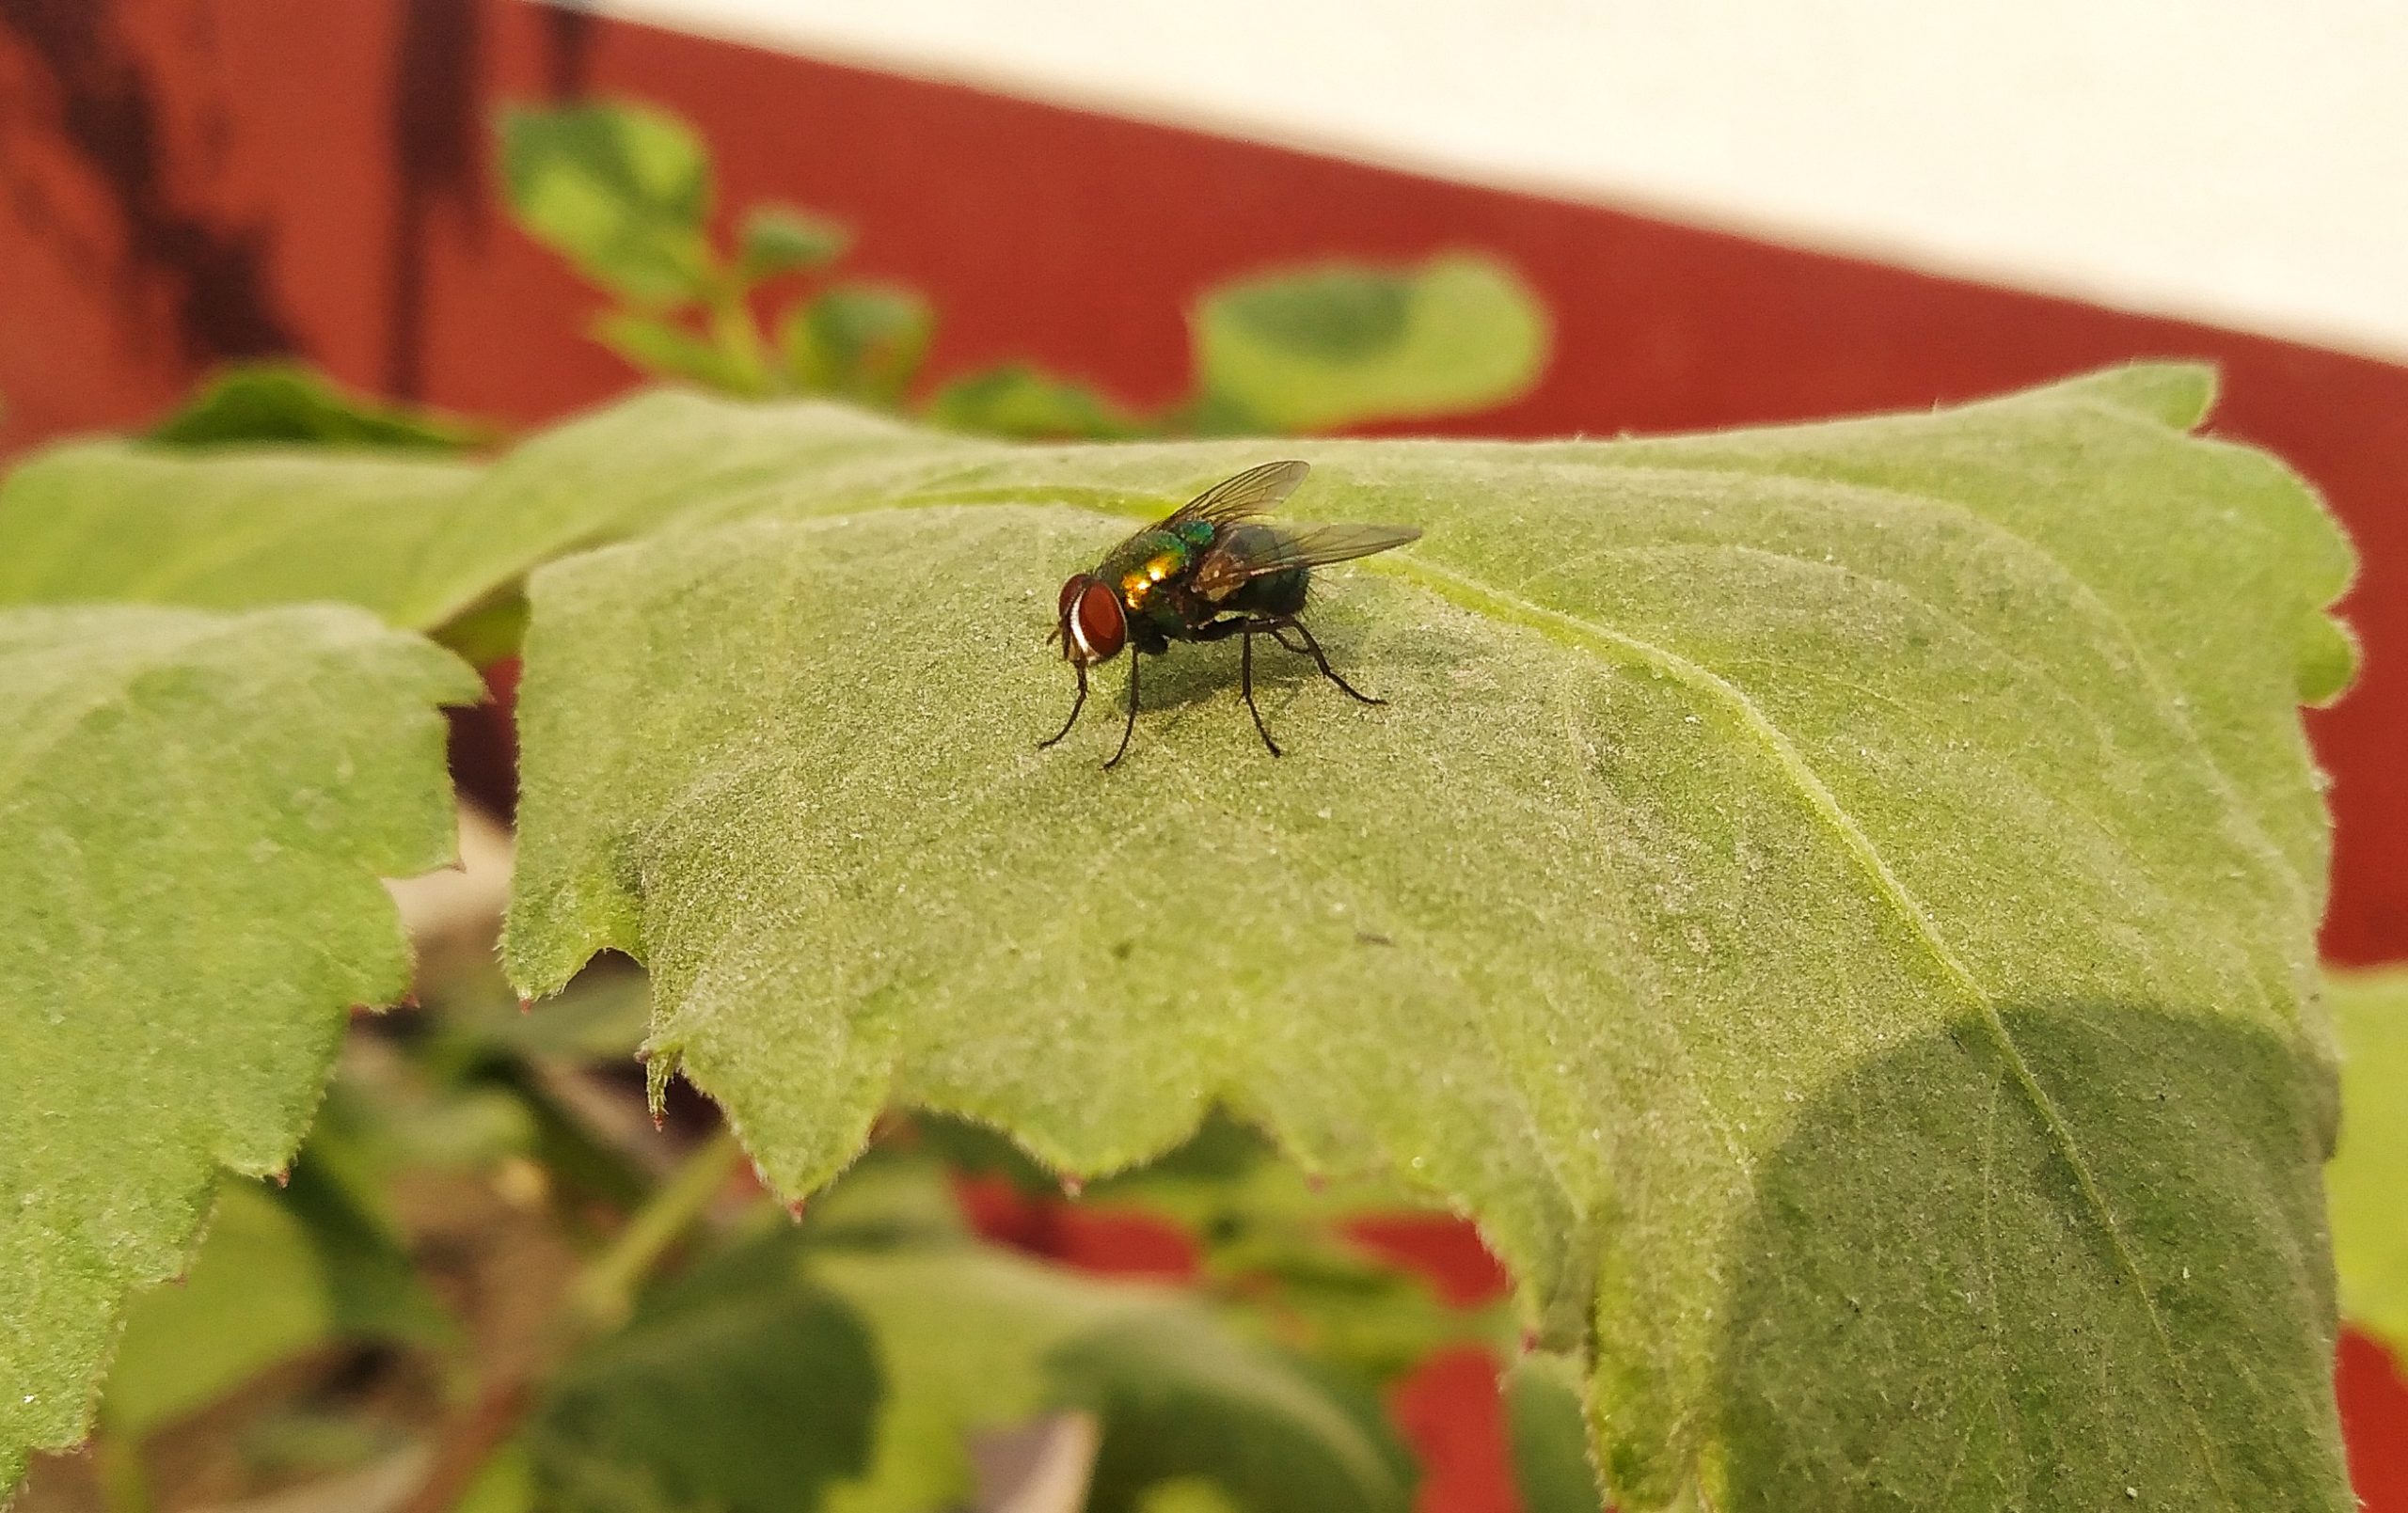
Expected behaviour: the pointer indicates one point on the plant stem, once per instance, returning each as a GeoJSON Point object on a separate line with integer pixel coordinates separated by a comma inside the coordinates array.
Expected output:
{"type": "Point", "coordinates": [597, 1301]}
{"type": "Point", "coordinates": [605, 1290]}
{"type": "Point", "coordinates": [737, 334]}
{"type": "Point", "coordinates": [125, 1481]}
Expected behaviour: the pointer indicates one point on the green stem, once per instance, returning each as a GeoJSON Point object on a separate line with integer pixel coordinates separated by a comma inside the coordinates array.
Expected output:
{"type": "Point", "coordinates": [737, 334]}
{"type": "Point", "coordinates": [604, 1293]}
{"type": "Point", "coordinates": [599, 1300]}
{"type": "Point", "coordinates": [125, 1481]}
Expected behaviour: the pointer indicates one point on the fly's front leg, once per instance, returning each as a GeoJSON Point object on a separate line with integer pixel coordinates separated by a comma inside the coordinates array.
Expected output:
{"type": "Point", "coordinates": [1076, 704]}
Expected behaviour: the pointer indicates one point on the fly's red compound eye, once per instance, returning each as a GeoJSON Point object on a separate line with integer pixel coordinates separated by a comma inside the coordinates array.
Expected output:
{"type": "Point", "coordinates": [1069, 594]}
{"type": "Point", "coordinates": [1097, 624]}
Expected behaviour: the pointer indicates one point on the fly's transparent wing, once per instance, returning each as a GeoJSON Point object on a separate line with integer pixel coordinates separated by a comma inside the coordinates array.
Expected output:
{"type": "Point", "coordinates": [1247, 551]}
{"type": "Point", "coordinates": [1251, 493]}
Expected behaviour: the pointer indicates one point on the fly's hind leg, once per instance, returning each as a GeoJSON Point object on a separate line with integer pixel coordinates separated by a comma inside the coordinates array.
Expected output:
{"type": "Point", "coordinates": [1245, 685]}
{"type": "Point", "coordinates": [1312, 648]}
{"type": "Point", "coordinates": [1131, 728]}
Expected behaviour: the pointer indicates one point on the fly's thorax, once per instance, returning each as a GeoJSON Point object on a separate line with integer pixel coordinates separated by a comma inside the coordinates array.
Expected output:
{"type": "Point", "coordinates": [1138, 567]}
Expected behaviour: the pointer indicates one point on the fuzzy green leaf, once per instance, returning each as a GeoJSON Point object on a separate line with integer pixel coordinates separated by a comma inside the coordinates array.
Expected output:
{"type": "Point", "coordinates": [2368, 1178]}
{"type": "Point", "coordinates": [1344, 344]}
{"type": "Point", "coordinates": [1835, 902]}
{"type": "Point", "coordinates": [229, 528]}
{"type": "Point", "coordinates": [622, 191]}
{"type": "Point", "coordinates": [195, 810]}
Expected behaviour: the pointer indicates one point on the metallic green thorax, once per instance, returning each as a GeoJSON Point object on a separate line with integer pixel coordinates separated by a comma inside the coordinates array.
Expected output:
{"type": "Point", "coordinates": [1138, 569]}
{"type": "Point", "coordinates": [1149, 572]}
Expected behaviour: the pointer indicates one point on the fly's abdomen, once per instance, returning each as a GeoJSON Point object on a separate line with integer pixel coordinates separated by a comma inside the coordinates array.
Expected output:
{"type": "Point", "coordinates": [1272, 593]}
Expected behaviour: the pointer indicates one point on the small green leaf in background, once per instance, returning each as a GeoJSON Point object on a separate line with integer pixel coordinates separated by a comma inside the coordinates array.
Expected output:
{"type": "Point", "coordinates": [195, 812]}
{"type": "Point", "coordinates": [2369, 1177]}
{"type": "Point", "coordinates": [1027, 403]}
{"type": "Point", "coordinates": [972, 1338]}
{"type": "Point", "coordinates": [742, 1388]}
{"type": "Point", "coordinates": [280, 1274]}
{"type": "Point", "coordinates": [1182, 1399]}
{"type": "Point", "coordinates": [779, 239]}
{"type": "Point", "coordinates": [1548, 1442]}
{"type": "Point", "coordinates": [664, 347]}
{"type": "Point", "coordinates": [622, 190]}
{"type": "Point", "coordinates": [289, 402]}
{"type": "Point", "coordinates": [1345, 344]}
{"type": "Point", "coordinates": [858, 341]}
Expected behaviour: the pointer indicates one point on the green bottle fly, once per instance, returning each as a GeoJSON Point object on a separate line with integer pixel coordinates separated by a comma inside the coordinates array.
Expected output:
{"type": "Point", "coordinates": [1208, 572]}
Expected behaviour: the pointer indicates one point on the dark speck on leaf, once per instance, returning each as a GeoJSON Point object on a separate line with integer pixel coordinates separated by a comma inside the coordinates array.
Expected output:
{"type": "Point", "coordinates": [1371, 937]}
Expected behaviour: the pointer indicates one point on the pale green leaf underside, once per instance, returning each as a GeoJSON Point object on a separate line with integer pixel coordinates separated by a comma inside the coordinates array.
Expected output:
{"type": "Point", "coordinates": [1834, 902]}
{"type": "Point", "coordinates": [2369, 1192]}
{"type": "Point", "coordinates": [195, 810]}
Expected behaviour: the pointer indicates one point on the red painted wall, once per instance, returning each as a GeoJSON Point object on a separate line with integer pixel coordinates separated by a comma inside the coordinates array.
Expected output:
{"type": "Point", "coordinates": [186, 180]}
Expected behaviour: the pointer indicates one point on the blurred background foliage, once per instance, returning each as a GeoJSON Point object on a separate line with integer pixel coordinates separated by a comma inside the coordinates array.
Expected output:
{"type": "Point", "coordinates": [490, 1283]}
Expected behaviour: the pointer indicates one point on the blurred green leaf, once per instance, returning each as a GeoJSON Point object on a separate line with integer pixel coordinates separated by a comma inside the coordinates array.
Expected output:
{"type": "Point", "coordinates": [742, 1388]}
{"type": "Point", "coordinates": [623, 191]}
{"type": "Point", "coordinates": [1346, 343]}
{"type": "Point", "coordinates": [662, 346]}
{"type": "Point", "coordinates": [195, 812]}
{"type": "Point", "coordinates": [1027, 404]}
{"type": "Point", "coordinates": [858, 341]}
{"type": "Point", "coordinates": [1187, 1494]}
{"type": "Point", "coordinates": [507, 1483]}
{"type": "Point", "coordinates": [488, 632]}
{"type": "Point", "coordinates": [2367, 1180]}
{"type": "Point", "coordinates": [782, 239]}
{"type": "Point", "coordinates": [224, 529]}
{"type": "Point", "coordinates": [284, 402]}
{"type": "Point", "coordinates": [1335, 1304]}
{"type": "Point", "coordinates": [974, 1338]}
{"type": "Point", "coordinates": [1548, 1441]}
{"type": "Point", "coordinates": [280, 1275]}
{"type": "Point", "coordinates": [1180, 1398]}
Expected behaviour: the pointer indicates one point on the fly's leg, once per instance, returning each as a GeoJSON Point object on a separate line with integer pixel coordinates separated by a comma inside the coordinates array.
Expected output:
{"type": "Point", "coordinates": [1076, 704]}
{"type": "Point", "coordinates": [1312, 649]}
{"type": "Point", "coordinates": [1130, 729]}
{"type": "Point", "coordinates": [1245, 685]}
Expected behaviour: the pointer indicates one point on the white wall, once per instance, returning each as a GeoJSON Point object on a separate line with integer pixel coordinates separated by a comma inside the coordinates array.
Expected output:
{"type": "Point", "coordinates": [2237, 161]}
